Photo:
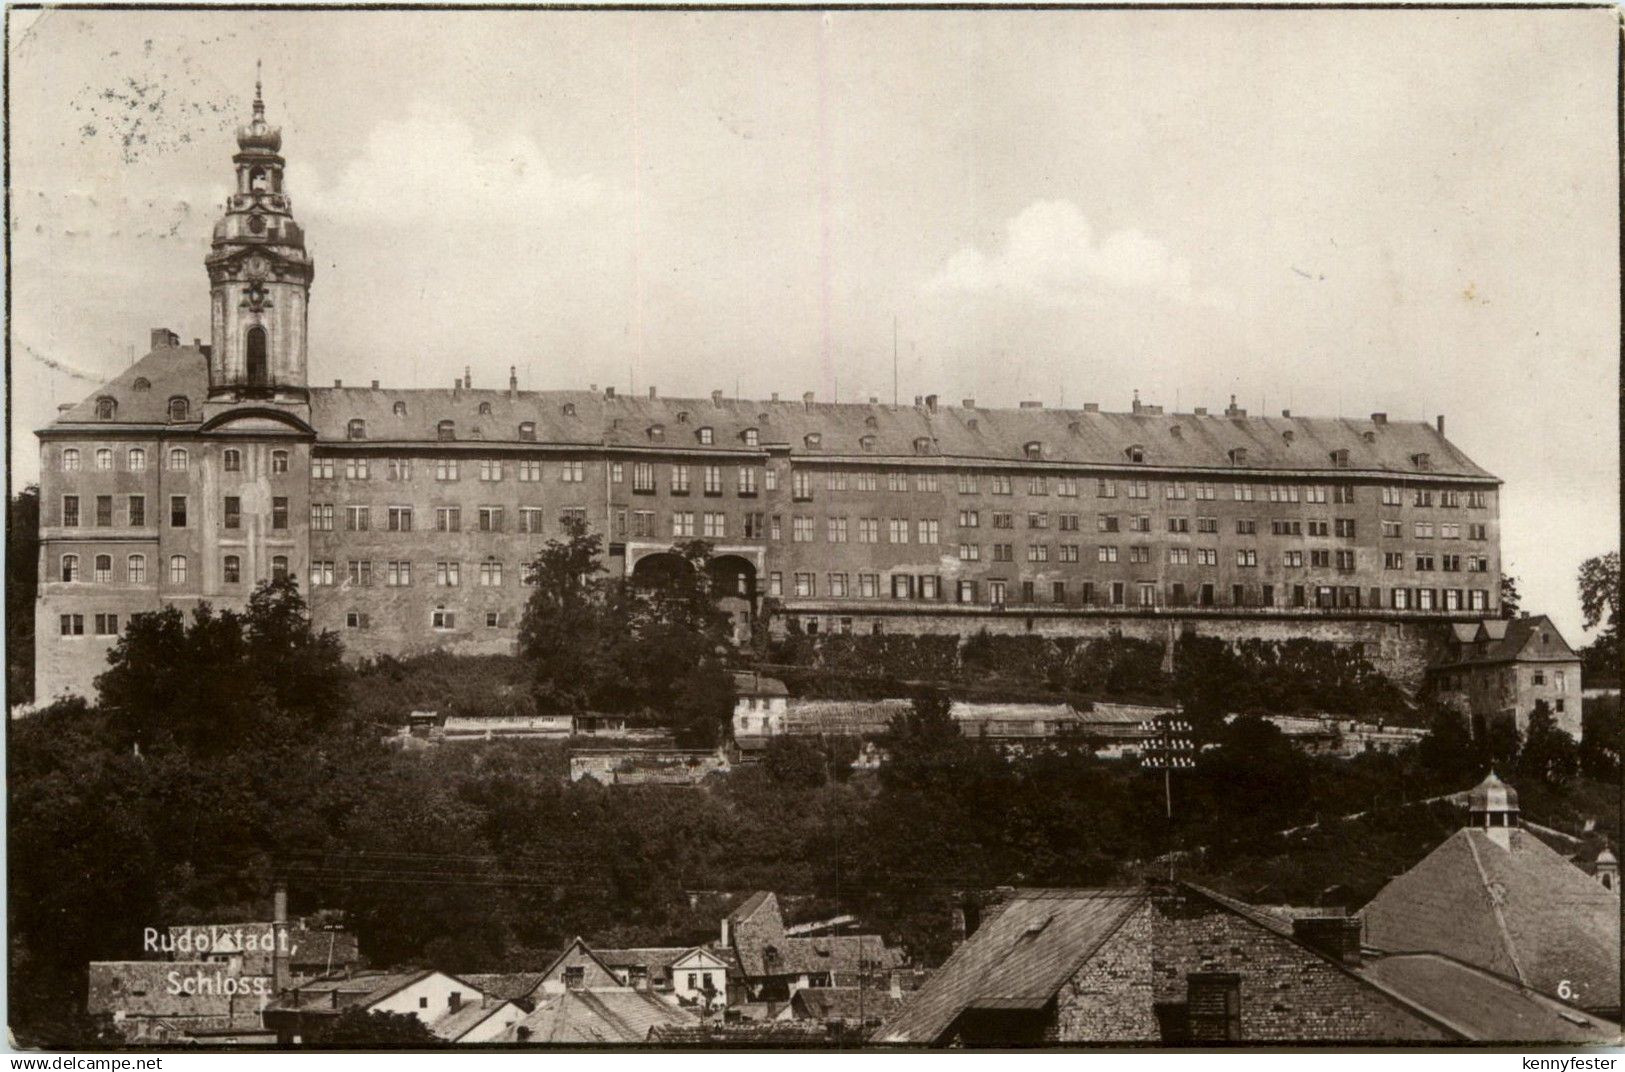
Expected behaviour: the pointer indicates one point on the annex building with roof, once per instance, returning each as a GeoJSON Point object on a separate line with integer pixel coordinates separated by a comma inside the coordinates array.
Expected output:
{"type": "Point", "coordinates": [410, 514]}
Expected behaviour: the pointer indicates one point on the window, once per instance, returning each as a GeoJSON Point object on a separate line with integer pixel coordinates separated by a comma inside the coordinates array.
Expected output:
{"type": "Point", "coordinates": [1106, 522]}
{"type": "Point", "coordinates": [801, 486]}
{"type": "Point", "coordinates": [1139, 489]}
{"type": "Point", "coordinates": [490, 470]}
{"type": "Point", "coordinates": [1343, 493]}
{"type": "Point", "coordinates": [1477, 500]}
{"type": "Point", "coordinates": [490, 519]}
{"type": "Point", "coordinates": [1345, 561]}
{"type": "Point", "coordinates": [573, 472]}
{"type": "Point", "coordinates": [1173, 490]}
{"type": "Point", "coordinates": [1069, 552]}
{"type": "Point", "coordinates": [1393, 560]}
{"type": "Point", "coordinates": [135, 569]}
{"type": "Point", "coordinates": [447, 574]}
{"type": "Point", "coordinates": [775, 528]}
{"type": "Point", "coordinates": [448, 519]}
{"type": "Point", "coordinates": [928, 531]}
{"type": "Point", "coordinates": [928, 482]}
{"type": "Point", "coordinates": [1424, 563]}
{"type": "Point", "coordinates": [1392, 530]}
{"type": "Point", "coordinates": [1004, 552]}
{"type": "Point", "coordinates": [357, 518]}
{"type": "Point", "coordinates": [441, 618]}
{"type": "Point", "coordinates": [233, 512]}
{"type": "Point", "coordinates": [232, 569]}
{"type": "Point", "coordinates": [136, 459]}
{"type": "Point", "coordinates": [530, 472]}
{"type": "Point", "coordinates": [1105, 489]}
{"type": "Point", "coordinates": [1179, 556]}
{"type": "Point", "coordinates": [104, 511]}
{"type": "Point", "coordinates": [527, 431]}
{"type": "Point", "coordinates": [806, 585]}
{"type": "Point", "coordinates": [868, 585]}
{"type": "Point", "coordinates": [178, 459]}
{"type": "Point", "coordinates": [897, 530]}
{"type": "Point", "coordinates": [1424, 599]}
{"type": "Point", "coordinates": [711, 479]}
{"type": "Point", "coordinates": [321, 517]}
{"type": "Point", "coordinates": [359, 574]}
{"type": "Point", "coordinates": [1205, 491]}
{"type": "Point", "coordinates": [321, 573]}
{"type": "Point", "coordinates": [321, 468]}
{"type": "Point", "coordinates": [1318, 528]}
{"type": "Point", "coordinates": [446, 430]}
{"type": "Point", "coordinates": [967, 483]}
{"type": "Point", "coordinates": [1067, 487]}
{"type": "Point", "coordinates": [1139, 554]}
{"type": "Point", "coordinates": [178, 409]}
{"type": "Point", "coordinates": [996, 593]}
{"type": "Point", "coordinates": [1001, 484]}
{"type": "Point", "coordinates": [752, 438]}
{"type": "Point", "coordinates": [1069, 522]}
{"type": "Point", "coordinates": [1314, 493]}
{"type": "Point", "coordinates": [1422, 497]}
{"type": "Point", "coordinates": [1037, 485]}
{"type": "Point", "coordinates": [490, 575]}
{"type": "Point", "coordinates": [356, 469]}
{"type": "Point", "coordinates": [970, 552]}
{"type": "Point", "coordinates": [1478, 599]}
{"type": "Point", "coordinates": [1292, 559]}
{"type": "Point", "coordinates": [682, 523]}
{"type": "Point", "coordinates": [1106, 553]}
{"type": "Point", "coordinates": [1037, 520]}
{"type": "Point", "coordinates": [1179, 524]}
{"type": "Point", "coordinates": [1344, 527]}
{"type": "Point", "coordinates": [1246, 557]}
{"type": "Point", "coordinates": [747, 481]}
{"type": "Point", "coordinates": [836, 529]}
{"type": "Point", "coordinates": [902, 586]}
{"type": "Point", "coordinates": [445, 469]}
{"type": "Point", "coordinates": [107, 625]}
{"type": "Point", "coordinates": [715, 526]}
{"type": "Point", "coordinates": [1140, 523]}
{"type": "Point", "coordinates": [1038, 552]}
{"type": "Point", "coordinates": [177, 511]}
{"type": "Point", "coordinates": [801, 529]}
{"type": "Point", "coordinates": [1422, 530]}
{"type": "Point", "coordinates": [530, 520]}
{"type": "Point", "coordinates": [279, 512]}
{"type": "Point", "coordinates": [73, 625]}
{"type": "Point", "coordinates": [279, 567]}
{"type": "Point", "coordinates": [1320, 559]}
{"type": "Point", "coordinates": [177, 569]}
{"type": "Point", "coordinates": [398, 574]}
{"type": "Point", "coordinates": [1242, 492]}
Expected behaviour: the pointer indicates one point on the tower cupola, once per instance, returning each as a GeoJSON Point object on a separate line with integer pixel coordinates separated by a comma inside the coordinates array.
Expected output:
{"type": "Point", "coordinates": [1492, 805]}
{"type": "Point", "coordinates": [259, 276]}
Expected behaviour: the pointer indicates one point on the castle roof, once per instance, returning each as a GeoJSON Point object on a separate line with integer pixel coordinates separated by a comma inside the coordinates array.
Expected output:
{"type": "Point", "coordinates": [1534, 639]}
{"type": "Point", "coordinates": [848, 431]}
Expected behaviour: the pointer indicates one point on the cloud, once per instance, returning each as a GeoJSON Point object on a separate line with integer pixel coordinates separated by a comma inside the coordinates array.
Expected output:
{"type": "Point", "coordinates": [432, 167]}
{"type": "Point", "coordinates": [1050, 254]}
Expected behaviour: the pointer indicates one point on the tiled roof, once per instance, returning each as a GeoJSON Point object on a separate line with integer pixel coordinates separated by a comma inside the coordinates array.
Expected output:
{"type": "Point", "coordinates": [339, 992]}
{"type": "Point", "coordinates": [454, 1025]}
{"type": "Point", "coordinates": [652, 957]}
{"type": "Point", "coordinates": [1485, 1007]}
{"type": "Point", "coordinates": [842, 717]}
{"type": "Point", "coordinates": [504, 985]}
{"type": "Point", "coordinates": [1011, 712]}
{"type": "Point", "coordinates": [322, 950]}
{"type": "Point", "coordinates": [847, 954]}
{"type": "Point", "coordinates": [848, 1004]}
{"type": "Point", "coordinates": [1532, 640]}
{"type": "Point", "coordinates": [588, 1016]}
{"type": "Point", "coordinates": [1017, 959]}
{"type": "Point", "coordinates": [180, 370]}
{"type": "Point", "coordinates": [825, 429]}
{"type": "Point", "coordinates": [752, 684]}
{"type": "Point", "coordinates": [1525, 913]}
{"type": "Point", "coordinates": [753, 903]}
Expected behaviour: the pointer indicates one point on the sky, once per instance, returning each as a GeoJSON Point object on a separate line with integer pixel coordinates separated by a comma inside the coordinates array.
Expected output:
{"type": "Point", "coordinates": [1336, 212]}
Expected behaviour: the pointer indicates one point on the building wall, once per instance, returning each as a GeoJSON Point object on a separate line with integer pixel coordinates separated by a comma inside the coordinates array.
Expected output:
{"type": "Point", "coordinates": [1288, 994]}
{"type": "Point", "coordinates": [1509, 692]}
{"type": "Point", "coordinates": [428, 999]}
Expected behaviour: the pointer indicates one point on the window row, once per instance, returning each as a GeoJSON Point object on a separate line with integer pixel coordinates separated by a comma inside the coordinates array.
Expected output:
{"type": "Point", "coordinates": [398, 573]}
{"type": "Point", "coordinates": [135, 511]}
{"type": "Point", "coordinates": [135, 569]}
{"type": "Point", "coordinates": [440, 619]}
{"type": "Point", "coordinates": [73, 625]}
{"type": "Point", "coordinates": [177, 459]}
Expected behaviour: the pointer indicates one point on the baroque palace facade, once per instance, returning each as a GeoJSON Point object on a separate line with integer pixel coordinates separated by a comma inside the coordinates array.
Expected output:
{"type": "Point", "coordinates": [408, 515]}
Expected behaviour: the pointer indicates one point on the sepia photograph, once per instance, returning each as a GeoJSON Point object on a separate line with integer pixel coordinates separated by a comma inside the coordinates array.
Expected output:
{"type": "Point", "coordinates": [681, 530]}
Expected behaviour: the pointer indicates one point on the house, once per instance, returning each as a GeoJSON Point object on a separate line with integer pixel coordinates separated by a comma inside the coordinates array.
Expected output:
{"type": "Point", "coordinates": [774, 964]}
{"type": "Point", "coordinates": [1183, 965]}
{"type": "Point", "coordinates": [169, 1002]}
{"type": "Point", "coordinates": [1500, 669]}
{"type": "Point", "coordinates": [506, 727]}
{"type": "Point", "coordinates": [306, 1008]}
{"type": "Point", "coordinates": [485, 1020]}
{"type": "Point", "coordinates": [863, 719]}
{"type": "Point", "coordinates": [851, 1011]}
{"type": "Point", "coordinates": [581, 998]}
{"type": "Point", "coordinates": [1118, 730]}
{"type": "Point", "coordinates": [307, 948]}
{"type": "Point", "coordinates": [693, 975]}
{"type": "Point", "coordinates": [759, 709]}
{"type": "Point", "coordinates": [1327, 735]}
{"type": "Point", "coordinates": [646, 766]}
{"type": "Point", "coordinates": [1494, 896]}
{"type": "Point", "coordinates": [1015, 725]}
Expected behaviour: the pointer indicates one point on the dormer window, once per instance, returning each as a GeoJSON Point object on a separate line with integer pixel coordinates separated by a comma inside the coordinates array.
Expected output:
{"type": "Point", "coordinates": [657, 433]}
{"type": "Point", "coordinates": [105, 408]}
{"type": "Point", "coordinates": [476, 433]}
{"type": "Point", "coordinates": [1287, 437]}
{"type": "Point", "coordinates": [485, 409]}
{"type": "Point", "coordinates": [357, 428]}
{"type": "Point", "coordinates": [399, 409]}
{"type": "Point", "coordinates": [446, 430]}
{"type": "Point", "coordinates": [867, 442]}
{"type": "Point", "coordinates": [922, 444]}
{"type": "Point", "coordinates": [871, 422]}
{"type": "Point", "coordinates": [1423, 460]}
{"type": "Point", "coordinates": [1135, 453]}
{"type": "Point", "coordinates": [1238, 455]}
{"type": "Point", "coordinates": [527, 431]}
{"type": "Point", "coordinates": [1035, 450]}
{"type": "Point", "coordinates": [1369, 436]}
{"type": "Point", "coordinates": [141, 384]}
{"type": "Point", "coordinates": [682, 416]}
{"type": "Point", "coordinates": [813, 439]}
{"type": "Point", "coordinates": [568, 409]}
{"type": "Point", "coordinates": [707, 436]}
{"type": "Point", "coordinates": [752, 438]}
{"type": "Point", "coordinates": [179, 408]}
{"type": "Point", "coordinates": [1340, 458]}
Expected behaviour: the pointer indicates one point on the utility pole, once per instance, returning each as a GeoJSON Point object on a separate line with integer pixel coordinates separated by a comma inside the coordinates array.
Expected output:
{"type": "Point", "coordinates": [1167, 748]}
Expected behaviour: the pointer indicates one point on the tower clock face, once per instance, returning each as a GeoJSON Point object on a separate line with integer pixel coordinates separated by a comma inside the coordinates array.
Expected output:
{"type": "Point", "coordinates": [256, 267]}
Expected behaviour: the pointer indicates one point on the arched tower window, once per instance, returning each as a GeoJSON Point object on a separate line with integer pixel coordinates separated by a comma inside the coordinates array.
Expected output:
{"type": "Point", "coordinates": [259, 374]}
{"type": "Point", "coordinates": [259, 181]}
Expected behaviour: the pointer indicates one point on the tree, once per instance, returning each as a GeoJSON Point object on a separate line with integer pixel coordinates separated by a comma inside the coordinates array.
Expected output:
{"type": "Point", "coordinates": [1449, 754]}
{"type": "Point", "coordinates": [357, 1028]}
{"type": "Point", "coordinates": [567, 633]}
{"type": "Point", "coordinates": [1548, 753]}
{"type": "Point", "coordinates": [22, 584]}
{"type": "Point", "coordinates": [1599, 590]}
{"type": "Point", "coordinates": [1511, 601]}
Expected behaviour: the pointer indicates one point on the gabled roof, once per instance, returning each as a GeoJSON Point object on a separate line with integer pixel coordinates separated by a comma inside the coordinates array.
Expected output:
{"type": "Point", "coordinates": [1017, 959]}
{"type": "Point", "coordinates": [699, 955]}
{"type": "Point", "coordinates": [748, 683]}
{"type": "Point", "coordinates": [577, 945]}
{"type": "Point", "coordinates": [587, 1016]}
{"type": "Point", "coordinates": [748, 908]}
{"type": "Point", "coordinates": [1527, 640]}
{"type": "Point", "coordinates": [454, 1025]}
{"type": "Point", "coordinates": [172, 371]}
{"type": "Point", "coordinates": [845, 1004]}
{"type": "Point", "coordinates": [504, 985]}
{"type": "Point", "coordinates": [1522, 912]}
{"type": "Point", "coordinates": [307, 947]}
{"type": "Point", "coordinates": [650, 957]}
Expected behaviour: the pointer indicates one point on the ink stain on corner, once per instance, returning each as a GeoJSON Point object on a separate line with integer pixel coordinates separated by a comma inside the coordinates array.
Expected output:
{"type": "Point", "coordinates": [153, 101]}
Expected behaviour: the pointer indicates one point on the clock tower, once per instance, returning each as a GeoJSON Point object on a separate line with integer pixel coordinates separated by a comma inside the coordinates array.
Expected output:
{"type": "Point", "coordinates": [259, 278]}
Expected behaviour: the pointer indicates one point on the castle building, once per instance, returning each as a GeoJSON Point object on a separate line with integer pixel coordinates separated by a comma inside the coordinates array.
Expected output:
{"type": "Point", "coordinates": [408, 515]}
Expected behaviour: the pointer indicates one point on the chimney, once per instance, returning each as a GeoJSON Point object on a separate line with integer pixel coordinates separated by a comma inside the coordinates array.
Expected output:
{"type": "Point", "coordinates": [457, 385]}
{"type": "Point", "coordinates": [896, 987]}
{"type": "Point", "coordinates": [468, 377]}
{"type": "Point", "coordinates": [197, 343]}
{"type": "Point", "coordinates": [716, 398]}
{"type": "Point", "coordinates": [609, 392]}
{"type": "Point", "coordinates": [1287, 435]}
{"type": "Point", "coordinates": [725, 935]}
{"type": "Point", "coordinates": [1379, 418]}
{"type": "Point", "coordinates": [931, 403]}
{"type": "Point", "coordinates": [208, 350]}
{"type": "Point", "coordinates": [375, 385]}
{"type": "Point", "coordinates": [775, 396]}
{"type": "Point", "coordinates": [873, 400]}
{"type": "Point", "coordinates": [651, 391]}
{"type": "Point", "coordinates": [1234, 410]}
{"type": "Point", "coordinates": [1136, 401]}
{"type": "Point", "coordinates": [279, 938]}
{"type": "Point", "coordinates": [164, 339]}
{"type": "Point", "coordinates": [1287, 414]}
{"type": "Point", "coordinates": [807, 399]}
{"type": "Point", "coordinates": [513, 381]}
{"type": "Point", "coordinates": [919, 400]}
{"type": "Point", "coordinates": [1441, 424]}
{"type": "Point", "coordinates": [1091, 407]}
{"type": "Point", "coordinates": [338, 383]}
{"type": "Point", "coordinates": [1032, 405]}
{"type": "Point", "coordinates": [1200, 411]}
{"type": "Point", "coordinates": [1337, 937]}
{"type": "Point", "coordinates": [968, 403]}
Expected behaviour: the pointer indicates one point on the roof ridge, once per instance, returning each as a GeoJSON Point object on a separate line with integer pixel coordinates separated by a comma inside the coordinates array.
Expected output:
{"type": "Point", "coordinates": [1495, 909]}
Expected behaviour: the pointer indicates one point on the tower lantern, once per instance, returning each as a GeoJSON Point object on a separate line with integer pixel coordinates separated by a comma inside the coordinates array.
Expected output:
{"type": "Point", "coordinates": [259, 277]}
